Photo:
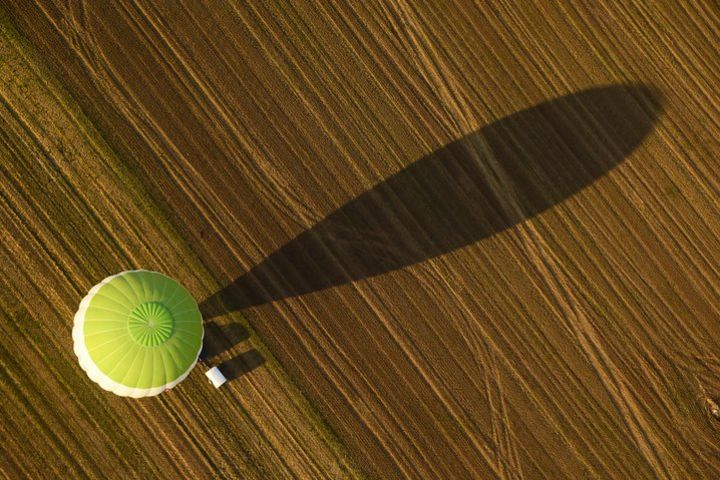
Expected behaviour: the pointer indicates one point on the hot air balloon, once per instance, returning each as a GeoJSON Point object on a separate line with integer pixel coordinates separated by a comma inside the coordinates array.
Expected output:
{"type": "Point", "coordinates": [138, 333]}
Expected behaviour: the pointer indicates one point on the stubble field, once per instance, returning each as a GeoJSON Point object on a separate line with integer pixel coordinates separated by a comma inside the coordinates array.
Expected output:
{"type": "Point", "coordinates": [468, 240]}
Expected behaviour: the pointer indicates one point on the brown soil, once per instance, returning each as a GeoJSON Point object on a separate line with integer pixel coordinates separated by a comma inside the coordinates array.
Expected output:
{"type": "Point", "coordinates": [72, 213]}
{"type": "Point", "coordinates": [465, 280]}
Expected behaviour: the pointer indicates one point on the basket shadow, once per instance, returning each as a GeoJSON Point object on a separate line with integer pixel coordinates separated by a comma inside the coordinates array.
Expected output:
{"type": "Point", "coordinates": [240, 365]}
{"type": "Point", "coordinates": [468, 190]}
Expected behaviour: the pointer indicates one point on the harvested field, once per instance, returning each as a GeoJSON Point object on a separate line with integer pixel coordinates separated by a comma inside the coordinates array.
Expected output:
{"type": "Point", "coordinates": [468, 241]}
{"type": "Point", "coordinates": [73, 213]}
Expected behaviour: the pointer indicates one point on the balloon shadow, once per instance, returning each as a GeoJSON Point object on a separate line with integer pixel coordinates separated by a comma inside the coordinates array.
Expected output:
{"type": "Point", "coordinates": [218, 339]}
{"type": "Point", "coordinates": [468, 190]}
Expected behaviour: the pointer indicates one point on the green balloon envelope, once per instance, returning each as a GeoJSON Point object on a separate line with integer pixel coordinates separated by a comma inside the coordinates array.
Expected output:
{"type": "Point", "coordinates": [138, 333]}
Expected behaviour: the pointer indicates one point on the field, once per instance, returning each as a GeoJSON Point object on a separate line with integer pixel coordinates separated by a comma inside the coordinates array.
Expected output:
{"type": "Point", "coordinates": [72, 213]}
{"type": "Point", "coordinates": [476, 240]}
